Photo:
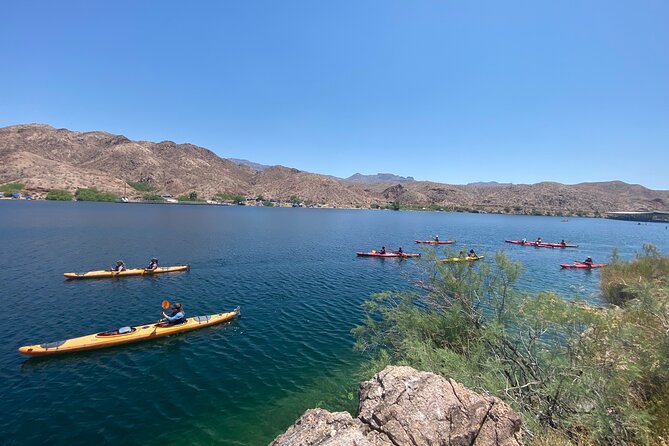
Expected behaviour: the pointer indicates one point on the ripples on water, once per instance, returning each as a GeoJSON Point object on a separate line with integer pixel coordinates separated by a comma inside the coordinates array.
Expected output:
{"type": "Point", "coordinates": [294, 274]}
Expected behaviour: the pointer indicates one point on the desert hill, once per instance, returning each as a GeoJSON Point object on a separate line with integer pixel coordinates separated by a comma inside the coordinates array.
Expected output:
{"type": "Point", "coordinates": [42, 158]}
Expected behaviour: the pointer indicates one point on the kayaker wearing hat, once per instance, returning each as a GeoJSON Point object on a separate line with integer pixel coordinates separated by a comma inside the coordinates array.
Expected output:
{"type": "Point", "coordinates": [178, 315]}
{"type": "Point", "coordinates": [120, 266]}
{"type": "Point", "coordinates": [152, 265]}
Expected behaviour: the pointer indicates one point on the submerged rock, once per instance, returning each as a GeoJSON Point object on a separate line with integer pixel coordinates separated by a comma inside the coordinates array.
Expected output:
{"type": "Point", "coordinates": [401, 406]}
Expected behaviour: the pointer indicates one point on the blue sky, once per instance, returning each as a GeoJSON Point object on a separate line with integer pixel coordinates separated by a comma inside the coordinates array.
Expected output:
{"type": "Point", "coordinates": [454, 92]}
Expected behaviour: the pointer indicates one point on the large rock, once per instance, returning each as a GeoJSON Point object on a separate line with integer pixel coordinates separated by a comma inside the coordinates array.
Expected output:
{"type": "Point", "coordinates": [401, 406]}
{"type": "Point", "coordinates": [320, 427]}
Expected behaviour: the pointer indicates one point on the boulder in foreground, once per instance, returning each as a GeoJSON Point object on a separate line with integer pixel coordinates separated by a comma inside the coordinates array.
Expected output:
{"type": "Point", "coordinates": [401, 406]}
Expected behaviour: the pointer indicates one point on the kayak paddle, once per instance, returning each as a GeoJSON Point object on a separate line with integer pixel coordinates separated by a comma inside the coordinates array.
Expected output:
{"type": "Point", "coordinates": [165, 305]}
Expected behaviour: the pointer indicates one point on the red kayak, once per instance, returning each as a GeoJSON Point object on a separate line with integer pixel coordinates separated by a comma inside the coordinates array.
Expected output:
{"type": "Point", "coordinates": [556, 245]}
{"type": "Point", "coordinates": [436, 242]}
{"type": "Point", "coordinates": [582, 265]}
{"type": "Point", "coordinates": [387, 254]}
{"type": "Point", "coordinates": [523, 243]}
{"type": "Point", "coordinates": [541, 245]}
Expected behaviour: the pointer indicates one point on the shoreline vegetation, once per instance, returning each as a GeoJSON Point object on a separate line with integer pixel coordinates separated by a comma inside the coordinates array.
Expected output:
{"type": "Point", "coordinates": [226, 199]}
{"type": "Point", "coordinates": [62, 195]}
{"type": "Point", "coordinates": [579, 374]}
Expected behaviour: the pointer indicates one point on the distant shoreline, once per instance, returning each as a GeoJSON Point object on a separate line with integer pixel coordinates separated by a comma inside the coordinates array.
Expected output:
{"type": "Point", "coordinates": [641, 217]}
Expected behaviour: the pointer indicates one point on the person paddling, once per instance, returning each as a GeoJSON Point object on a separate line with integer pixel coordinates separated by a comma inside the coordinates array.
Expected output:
{"type": "Point", "coordinates": [153, 265]}
{"type": "Point", "coordinates": [383, 250]}
{"type": "Point", "coordinates": [472, 254]}
{"type": "Point", "coordinates": [436, 238]}
{"type": "Point", "coordinates": [588, 261]}
{"type": "Point", "coordinates": [178, 315]}
{"type": "Point", "coordinates": [120, 266]}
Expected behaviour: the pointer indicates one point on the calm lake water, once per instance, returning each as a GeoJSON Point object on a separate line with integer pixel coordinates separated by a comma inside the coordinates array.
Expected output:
{"type": "Point", "coordinates": [293, 272]}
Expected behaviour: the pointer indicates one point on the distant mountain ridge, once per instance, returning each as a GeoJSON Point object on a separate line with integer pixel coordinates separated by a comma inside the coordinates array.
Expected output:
{"type": "Point", "coordinates": [42, 158]}
{"type": "Point", "coordinates": [489, 184]}
{"type": "Point", "coordinates": [378, 178]}
{"type": "Point", "coordinates": [255, 166]}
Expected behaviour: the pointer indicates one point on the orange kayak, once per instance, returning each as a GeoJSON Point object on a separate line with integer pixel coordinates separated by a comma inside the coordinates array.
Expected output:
{"type": "Point", "coordinates": [128, 272]}
{"type": "Point", "coordinates": [125, 335]}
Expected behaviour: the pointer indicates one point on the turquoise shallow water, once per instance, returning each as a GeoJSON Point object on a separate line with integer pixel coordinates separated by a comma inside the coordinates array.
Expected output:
{"type": "Point", "coordinates": [293, 272]}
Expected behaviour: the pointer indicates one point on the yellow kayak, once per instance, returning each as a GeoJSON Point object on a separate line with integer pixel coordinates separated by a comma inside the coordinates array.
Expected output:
{"type": "Point", "coordinates": [462, 259]}
{"type": "Point", "coordinates": [128, 272]}
{"type": "Point", "coordinates": [125, 335]}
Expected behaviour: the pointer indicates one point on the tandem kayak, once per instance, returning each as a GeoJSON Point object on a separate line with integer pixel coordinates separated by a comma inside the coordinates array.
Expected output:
{"type": "Point", "coordinates": [436, 242]}
{"type": "Point", "coordinates": [462, 259]}
{"type": "Point", "coordinates": [582, 265]}
{"type": "Point", "coordinates": [556, 245]}
{"type": "Point", "coordinates": [387, 254]}
{"type": "Point", "coordinates": [541, 245]}
{"type": "Point", "coordinates": [128, 272]}
{"type": "Point", "coordinates": [522, 243]}
{"type": "Point", "coordinates": [125, 335]}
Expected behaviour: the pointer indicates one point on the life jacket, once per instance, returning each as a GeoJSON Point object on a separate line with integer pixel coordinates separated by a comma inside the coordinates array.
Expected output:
{"type": "Point", "coordinates": [181, 320]}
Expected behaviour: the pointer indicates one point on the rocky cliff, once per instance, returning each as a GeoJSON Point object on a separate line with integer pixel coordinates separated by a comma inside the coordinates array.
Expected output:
{"type": "Point", "coordinates": [401, 406]}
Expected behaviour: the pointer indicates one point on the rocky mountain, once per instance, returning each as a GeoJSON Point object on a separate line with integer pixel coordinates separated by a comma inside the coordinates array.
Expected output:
{"type": "Point", "coordinates": [488, 184]}
{"type": "Point", "coordinates": [251, 164]}
{"type": "Point", "coordinates": [547, 197]}
{"type": "Point", "coordinates": [42, 158]}
{"type": "Point", "coordinates": [378, 178]}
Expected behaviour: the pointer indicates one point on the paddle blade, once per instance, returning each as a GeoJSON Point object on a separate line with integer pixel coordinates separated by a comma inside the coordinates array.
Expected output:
{"type": "Point", "coordinates": [165, 304]}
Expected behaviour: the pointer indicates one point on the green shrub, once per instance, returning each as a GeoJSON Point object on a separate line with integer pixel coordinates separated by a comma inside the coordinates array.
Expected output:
{"type": "Point", "coordinates": [595, 375]}
{"type": "Point", "coordinates": [141, 186]}
{"type": "Point", "coordinates": [620, 279]}
{"type": "Point", "coordinates": [191, 197]}
{"type": "Point", "coordinates": [153, 197]}
{"type": "Point", "coordinates": [237, 199]}
{"type": "Point", "coordinates": [59, 195]}
{"type": "Point", "coordinates": [92, 194]}
{"type": "Point", "coordinates": [11, 188]}
{"type": "Point", "coordinates": [394, 206]}
{"type": "Point", "coordinates": [268, 203]}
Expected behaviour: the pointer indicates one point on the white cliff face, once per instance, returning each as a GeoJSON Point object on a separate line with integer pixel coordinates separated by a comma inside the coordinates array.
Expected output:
{"type": "Point", "coordinates": [401, 406]}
